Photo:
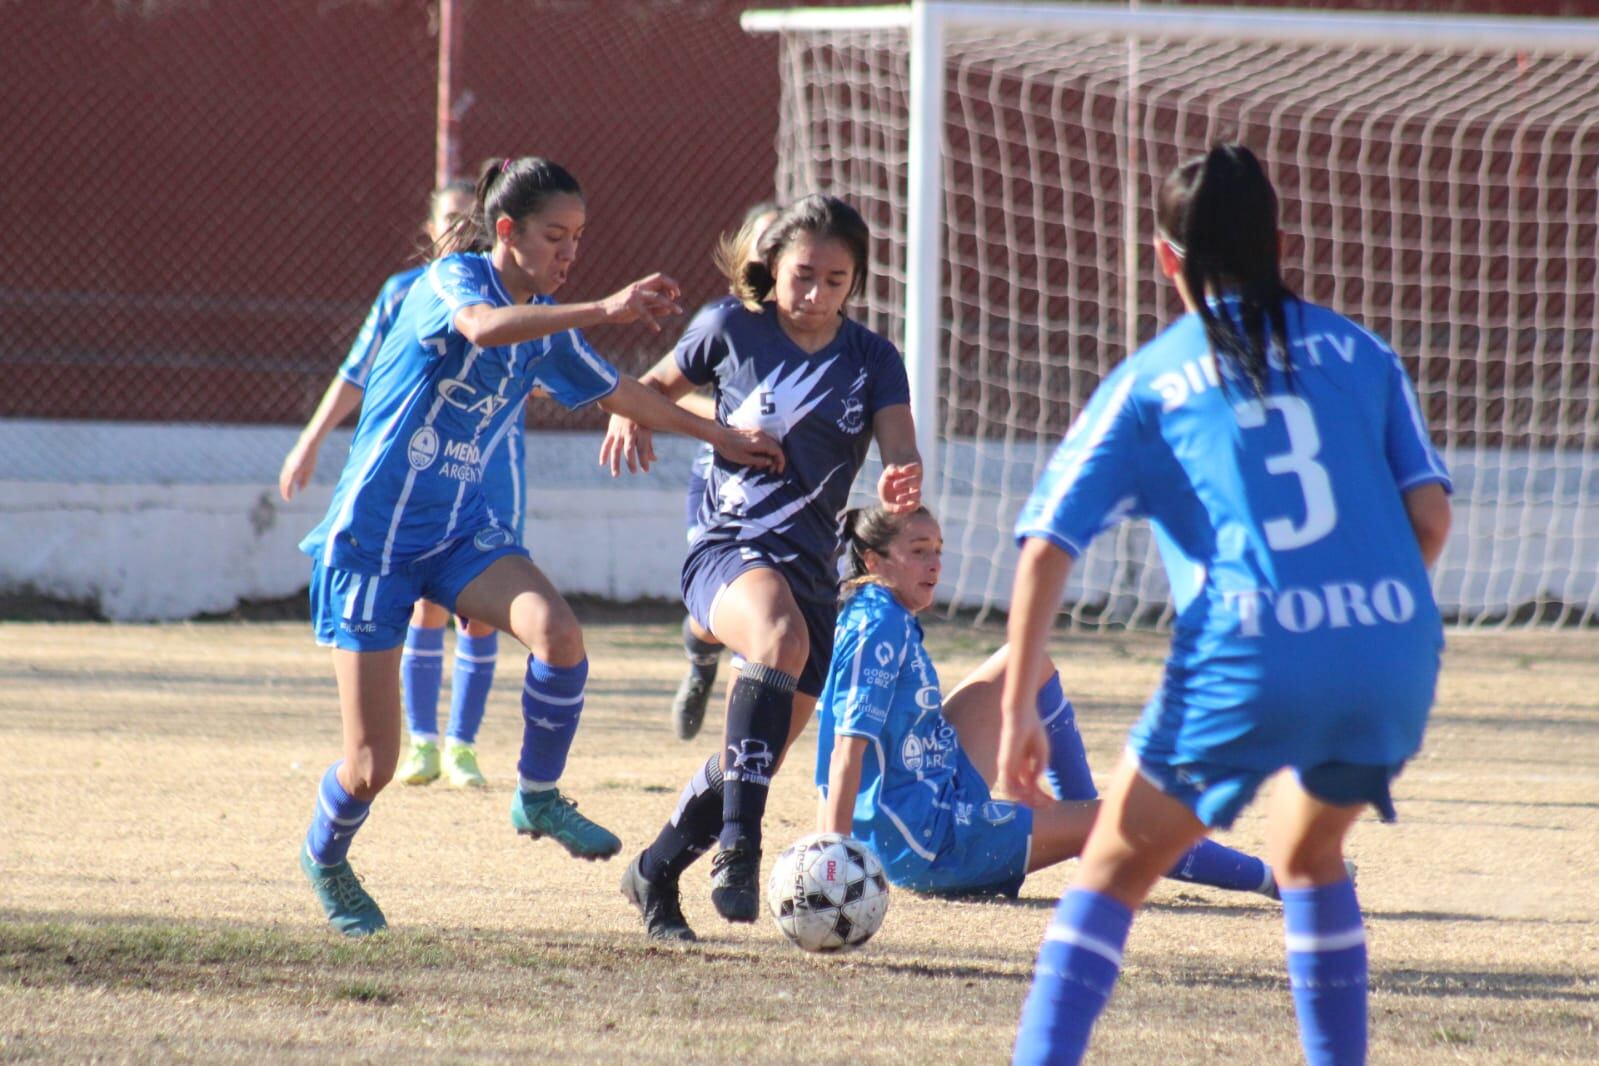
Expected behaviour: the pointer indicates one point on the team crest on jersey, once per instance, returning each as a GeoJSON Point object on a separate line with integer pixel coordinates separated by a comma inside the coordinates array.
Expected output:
{"type": "Point", "coordinates": [884, 653]}
{"type": "Point", "coordinates": [493, 537]}
{"type": "Point", "coordinates": [853, 420]}
{"type": "Point", "coordinates": [998, 812]}
{"type": "Point", "coordinates": [423, 448]}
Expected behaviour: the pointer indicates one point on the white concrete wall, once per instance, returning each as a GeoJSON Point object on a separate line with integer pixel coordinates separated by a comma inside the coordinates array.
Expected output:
{"type": "Point", "coordinates": [166, 522]}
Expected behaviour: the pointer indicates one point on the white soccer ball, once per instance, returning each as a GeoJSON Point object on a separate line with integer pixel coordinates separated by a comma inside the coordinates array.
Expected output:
{"type": "Point", "coordinates": [828, 892]}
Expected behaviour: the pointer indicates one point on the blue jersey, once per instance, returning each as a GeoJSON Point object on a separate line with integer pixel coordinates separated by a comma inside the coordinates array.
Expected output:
{"type": "Point", "coordinates": [820, 406]}
{"type": "Point", "coordinates": [503, 472]}
{"type": "Point", "coordinates": [1306, 630]}
{"type": "Point", "coordinates": [882, 687]}
{"type": "Point", "coordinates": [436, 407]}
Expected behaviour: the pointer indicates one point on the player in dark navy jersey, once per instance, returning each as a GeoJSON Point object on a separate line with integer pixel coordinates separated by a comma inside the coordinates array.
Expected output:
{"type": "Point", "coordinates": [1281, 455]}
{"type": "Point", "coordinates": [761, 575]}
{"type": "Point", "coordinates": [410, 518]}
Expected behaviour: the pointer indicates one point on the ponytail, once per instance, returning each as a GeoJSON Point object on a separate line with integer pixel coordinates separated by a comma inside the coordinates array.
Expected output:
{"type": "Point", "coordinates": [1220, 214]}
{"type": "Point", "coordinates": [510, 187]}
{"type": "Point", "coordinates": [735, 250]}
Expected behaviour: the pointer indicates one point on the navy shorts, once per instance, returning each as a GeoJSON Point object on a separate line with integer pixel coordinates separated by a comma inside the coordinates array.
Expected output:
{"type": "Point", "coordinates": [712, 566]}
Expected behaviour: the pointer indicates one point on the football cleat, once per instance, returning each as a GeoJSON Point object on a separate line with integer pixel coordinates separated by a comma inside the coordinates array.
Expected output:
{"type": "Point", "coordinates": [660, 904]}
{"type": "Point", "coordinates": [349, 908]}
{"type": "Point", "coordinates": [549, 814]}
{"type": "Point", "coordinates": [420, 765]}
{"type": "Point", "coordinates": [460, 766]}
{"type": "Point", "coordinates": [735, 881]}
{"type": "Point", "coordinates": [688, 706]}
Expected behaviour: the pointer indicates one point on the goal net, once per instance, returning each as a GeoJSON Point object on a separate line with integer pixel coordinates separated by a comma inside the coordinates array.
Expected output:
{"type": "Point", "coordinates": [1439, 181]}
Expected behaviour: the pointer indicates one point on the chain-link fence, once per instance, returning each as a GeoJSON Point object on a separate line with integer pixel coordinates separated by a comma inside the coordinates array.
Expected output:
{"type": "Point", "coordinates": [201, 199]}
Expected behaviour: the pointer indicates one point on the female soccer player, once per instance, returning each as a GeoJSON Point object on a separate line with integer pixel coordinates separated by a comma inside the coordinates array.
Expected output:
{"type": "Point", "coordinates": [477, 647]}
{"type": "Point", "coordinates": [409, 519]}
{"type": "Point", "coordinates": [761, 577]}
{"type": "Point", "coordinates": [1279, 450]}
{"type": "Point", "coordinates": [909, 772]}
{"type": "Point", "coordinates": [703, 651]}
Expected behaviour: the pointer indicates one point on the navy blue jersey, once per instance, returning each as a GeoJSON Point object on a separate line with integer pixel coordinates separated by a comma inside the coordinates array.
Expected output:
{"type": "Point", "coordinates": [820, 406]}
{"type": "Point", "coordinates": [436, 407]}
{"type": "Point", "coordinates": [1306, 626]}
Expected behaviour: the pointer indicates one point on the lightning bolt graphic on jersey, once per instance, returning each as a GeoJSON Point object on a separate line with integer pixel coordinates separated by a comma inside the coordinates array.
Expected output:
{"type": "Point", "coordinates": [749, 489]}
{"type": "Point", "coordinates": [777, 404]}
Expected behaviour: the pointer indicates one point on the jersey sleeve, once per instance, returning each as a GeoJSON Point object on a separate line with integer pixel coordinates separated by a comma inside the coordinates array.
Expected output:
{"type": "Point", "coordinates": [1091, 482]}
{"type": "Point", "coordinates": [452, 284]}
{"type": "Point", "coordinates": [358, 363]}
{"type": "Point", "coordinates": [888, 383]}
{"type": "Point", "coordinates": [703, 345]}
{"type": "Point", "coordinates": [1411, 455]}
{"type": "Point", "coordinates": [573, 373]}
{"type": "Point", "coordinates": [868, 652]}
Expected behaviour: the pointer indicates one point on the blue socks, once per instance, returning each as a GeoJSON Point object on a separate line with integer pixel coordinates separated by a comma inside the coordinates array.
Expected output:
{"type": "Point", "coordinates": [552, 702]}
{"type": "Point", "coordinates": [334, 822]}
{"type": "Point", "coordinates": [1327, 971]}
{"type": "Point", "coordinates": [422, 673]}
{"type": "Point", "coordinates": [470, 684]}
{"type": "Point", "coordinates": [1077, 967]}
{"type": "Point", "coordinates": [1210, 863]}
{"type": "Point", "coordinates": [1068, 774]}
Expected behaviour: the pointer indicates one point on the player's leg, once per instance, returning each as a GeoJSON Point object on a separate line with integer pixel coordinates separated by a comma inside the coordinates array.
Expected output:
{"type": "Point", "coordinates": [704, 654]}
{"type": "Point", "coordinates": [422, 675]}
{"type": "Point", "coordinates": [477, 648]}
{"type": "Point", "coordinates": [973, 709]}
{"type": "Point", "coordinates": [1138, 835]}
{"type": "Point", "coordinates": [1326, 937]}
{"type": "Point", "coordinates": [513, 595]}
{"type": "Point", "coordinates": [757, 616]}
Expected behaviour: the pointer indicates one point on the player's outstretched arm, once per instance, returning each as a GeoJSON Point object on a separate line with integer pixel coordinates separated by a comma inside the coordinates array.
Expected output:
{"type": "Point", "coordinates": [900, 486]}
{"type": "Point", "coordinates": [843, 783]}
{"type": "Point", "coordinates": [1430, 517]}
{"type": "Point", "coordinates": [647, 300]}
{"type": "Point", "coordinates": [340, 399]}
{"type": "Point", "coordinates": [1041, 574]}
{"type": "Point", "coordinates": [746, 447]}
{"type": "Point", "coordinates": [626, 440]}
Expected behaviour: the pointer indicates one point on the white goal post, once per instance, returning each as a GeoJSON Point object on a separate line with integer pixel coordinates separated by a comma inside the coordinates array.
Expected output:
{"type": "Point", "coordinates": [1440, 183]}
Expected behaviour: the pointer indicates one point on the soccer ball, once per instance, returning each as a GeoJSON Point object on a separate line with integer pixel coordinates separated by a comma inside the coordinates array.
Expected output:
{"type": "Point", "coordinates": [828, 892]}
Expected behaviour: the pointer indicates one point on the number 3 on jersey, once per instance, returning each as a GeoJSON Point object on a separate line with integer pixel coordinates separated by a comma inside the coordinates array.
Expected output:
{"type": "Point", "coordinates": [1304, 444]}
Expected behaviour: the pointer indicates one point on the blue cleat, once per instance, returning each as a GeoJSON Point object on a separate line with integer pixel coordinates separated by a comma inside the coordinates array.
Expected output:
{"type": "Point", "coordinates": [549, 814]}
{"type": "Point", "coordinates": [349, 909]}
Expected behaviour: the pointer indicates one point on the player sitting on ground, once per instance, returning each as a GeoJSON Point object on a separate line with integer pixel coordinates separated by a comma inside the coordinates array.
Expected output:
{"type": "Point", "coordinates": [909, 772]}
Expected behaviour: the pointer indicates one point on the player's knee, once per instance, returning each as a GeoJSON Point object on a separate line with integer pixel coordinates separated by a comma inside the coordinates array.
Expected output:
{"type": "Point", "coordinates": [1308, 861]}
{"type": "Point", "coordinates": [785, 644]}
{"type": "Point", "coordinates": [554, 636]}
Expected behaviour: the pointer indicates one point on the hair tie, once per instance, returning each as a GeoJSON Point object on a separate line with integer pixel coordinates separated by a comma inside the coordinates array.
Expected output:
{"type": "Point", "coordinates": [506, 165]}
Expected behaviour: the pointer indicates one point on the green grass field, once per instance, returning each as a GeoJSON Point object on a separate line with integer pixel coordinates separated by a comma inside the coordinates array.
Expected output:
{"type": "Point", "coordinates": [158, 780]}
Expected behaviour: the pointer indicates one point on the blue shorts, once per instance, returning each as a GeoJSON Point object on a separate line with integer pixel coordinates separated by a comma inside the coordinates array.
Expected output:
{"type": "Point", "coordinates": [1217, 794]}
{"type": "Point", "coordinates": [365, 612]}
{"type": "Point", "coordinates": [712, 566]}
{"type": "Point", "coordinates": [986, 850]}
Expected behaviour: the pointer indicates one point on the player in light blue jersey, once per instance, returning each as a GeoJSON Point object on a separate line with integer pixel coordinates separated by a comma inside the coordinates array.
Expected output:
{"type": "Point", "coordinates": [1280, 453]}
{"type": "Point", "coordinates": [477, 645]}
{"type": "Point", "coordinates": [909, 772]}
{"type": "Point", "coordinates": [410, 519]}
{"type": "Point", "coordinates": [704, 651]}
{"type": "Point", "coordinates": [761, 576]}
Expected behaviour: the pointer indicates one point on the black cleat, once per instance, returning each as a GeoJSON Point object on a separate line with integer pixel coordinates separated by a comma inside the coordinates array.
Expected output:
{"type": "Point", "coordinates": [735, 881]}
{"type": "Point", "coordinates": [688, 706]}
{"type": "Point", "coordinates": [659, 904]}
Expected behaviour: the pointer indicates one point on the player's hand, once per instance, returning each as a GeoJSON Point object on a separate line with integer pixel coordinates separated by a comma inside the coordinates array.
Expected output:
{"type": "Point", "coordinates": [627, 441]}
{"type": "Point", "coordinates": [647, 300]}
{"type": "Point", "coordinates": [751, 447]}
{"type": "Point", "coordinates": [298, 466]}
{"type": "Point", "coordinates": [1023, 756]}
{"type": "Point", "coordinates": [900, 487]}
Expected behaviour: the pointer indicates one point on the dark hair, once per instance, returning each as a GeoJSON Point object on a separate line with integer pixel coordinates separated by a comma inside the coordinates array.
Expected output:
{"type": "Point", "coordinates": [869, 529]}
{"type": "Point", "coordinates": [734, 249]}
{"type": "Point", "coordinates": [1220, 212]}
{"type": "Point", "coordinates": [514, 188]}
{"type": "Point", "coordinates": [821, 217]}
